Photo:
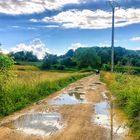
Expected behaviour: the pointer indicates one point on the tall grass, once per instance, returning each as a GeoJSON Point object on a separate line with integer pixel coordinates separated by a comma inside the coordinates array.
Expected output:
{"type": "Point", "coordinates": [27, 87]}
{"type": "Point", "coordinates": [126, 89]}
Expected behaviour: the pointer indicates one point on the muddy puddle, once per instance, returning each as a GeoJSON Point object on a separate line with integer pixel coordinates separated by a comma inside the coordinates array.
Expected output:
{"type": "Point", "coordinates": [70, 97]}
{"type": "Point", "coordinates": [92, 87]}
{"type": "Point", "coordinates": [79, 88]}
{"type": "Point", "coordinates": [97, 83]}
{"type": "Point", "coordinates": [102, 118]}
{"type": "Point", "coordinates": [42, 124]}
{"type": "Point", "coordinates": [104, 95]}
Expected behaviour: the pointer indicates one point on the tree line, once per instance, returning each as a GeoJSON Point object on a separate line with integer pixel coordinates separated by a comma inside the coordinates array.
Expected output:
{"type": "Point", "coordinates": [88, 57]}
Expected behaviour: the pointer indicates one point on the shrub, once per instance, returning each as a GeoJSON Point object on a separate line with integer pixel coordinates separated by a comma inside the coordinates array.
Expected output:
{"type": "Point", "coordinates": [6, 105]}
{"type": "Point", "coordinates": [5, 62]}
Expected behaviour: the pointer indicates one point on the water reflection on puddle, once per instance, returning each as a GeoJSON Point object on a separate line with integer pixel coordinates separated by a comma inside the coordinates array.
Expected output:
{"type": "Point", "coordinates": [102, 108]}
{"type": "Point", "coordinates": [72, 97]}
{"type": "Point", "coordinates": [102, 118]}
{"type": "Point", "coordinates": [43, 124]}
{"type": "Point", "coordinates": [102, 114]}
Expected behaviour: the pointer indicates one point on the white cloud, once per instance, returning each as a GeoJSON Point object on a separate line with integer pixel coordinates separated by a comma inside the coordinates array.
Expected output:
{"type": "Point", "coordinates": [15, 26]}
{"type": "Point", "coordinates": [135, 38]}
{"type": "Point", "coordinates": [36, 46]}
{"type": "Point", "coordinates": [75, 46]}
{"type": "Point", "coordinates": [17, 7]}
{"type": "Point", "coordinates": [33, 20]}
{"type": "Point", "coordinates": [22, 27]}
{"type": "Point", "coordinates": [104, 44]}
{"type": "Point", "coordinates": [99, 19]}
{"type": "Point", "coordinates": [4, 51]}
{"type": "Point", "coordinates": [137, 48]}
{"type": "Point", "coordinates": [51, 26]}
{"type": "Point", "coordinates": [58, 52]}
{"type": "Point", "coordinates": [30, 28]}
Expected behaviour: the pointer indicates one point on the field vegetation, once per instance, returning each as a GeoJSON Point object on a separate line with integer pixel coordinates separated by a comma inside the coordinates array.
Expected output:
{"type": "Point", "coordinates": [126, 89]}
{"type": "Point", "coordinates": [28, 81]}
{"type": "Point", "coordinates": [23, 85]}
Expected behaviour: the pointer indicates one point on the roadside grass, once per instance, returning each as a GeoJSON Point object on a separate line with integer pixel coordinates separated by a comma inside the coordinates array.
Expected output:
{"type": "Point", "coordinates": [126, 89]}
{"type": "Point", "coordinates": [122, 69]}
{"type": "Point", "coordinates": [26, 87]}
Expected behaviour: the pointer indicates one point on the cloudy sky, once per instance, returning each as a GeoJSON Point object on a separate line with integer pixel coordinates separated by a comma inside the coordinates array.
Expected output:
{"type": "Point", "coordinates": [57, 25]}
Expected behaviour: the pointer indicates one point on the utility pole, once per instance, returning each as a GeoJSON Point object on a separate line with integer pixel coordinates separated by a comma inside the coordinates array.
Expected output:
{"type": "Point", "coordinates": [112, 43]}
{"type": "Point", "coordinates": [113, 5]}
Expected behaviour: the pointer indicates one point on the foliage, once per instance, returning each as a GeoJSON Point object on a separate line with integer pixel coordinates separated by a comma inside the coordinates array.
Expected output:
{"type": "Point", "coordinates": [32, 86]}
{"type": "Point", "coordinates": [5, 65]}
{"type": "Point", "coordinates": [94, 57]}
{"type": "Point", "coordinates": [5, 62]}
{"type": "Point", "coordinates": [122, 69]}
{"type": "Point", "coordinates": [49, 61]}
{"type": "Point", "coordinates": [126, 89]}
{"type": "Point", "coordinates": [87, 58]}
{"type": "Point", "coordinates": [37, 63]}
{"type": "Point", "coordinates": [88, 69]}
{"type": "Point", "coordinates": [24, 56]}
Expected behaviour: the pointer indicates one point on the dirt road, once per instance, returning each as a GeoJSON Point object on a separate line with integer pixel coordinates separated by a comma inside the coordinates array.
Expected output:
{"type": "Point", "coordinates": [81, 111]}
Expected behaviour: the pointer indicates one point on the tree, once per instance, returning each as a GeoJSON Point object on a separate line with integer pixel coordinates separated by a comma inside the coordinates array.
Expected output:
{"type": "Point", "coordinates": [87, 57]}
{"type": "Point", "coordinates": [70, 53]}
{"type": "Point", "coordinates": [49, 61]}
{"type": "Point", "coordinates": [67, 59]}
{"type": "Point", "coordinates": [24, 56]}
{"type": "Point", "coordinates": [94, 57]}
{"type": "Point", "coordinates": [104, 53]}
{"type": "Point", "coordinates": [68, 62]}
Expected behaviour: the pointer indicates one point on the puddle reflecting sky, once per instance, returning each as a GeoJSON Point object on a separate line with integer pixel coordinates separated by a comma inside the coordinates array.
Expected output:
{"type": "Point", "coordinates": [102, 118]}
{"type": "Point", "coordinates": [72, 97]}
{"type": "Point", "coordinates": [37, 123]}
{"type": "Point", "coordinates": [102, 108]}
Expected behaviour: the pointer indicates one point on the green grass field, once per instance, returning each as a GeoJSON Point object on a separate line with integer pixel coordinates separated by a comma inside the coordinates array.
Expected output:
{"type": "Point", "coordinates": [126, 89]}
{"type": "Point", "coordinates": [24, 63]}
{"type": "Point", "coordinates": [28, 84]}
